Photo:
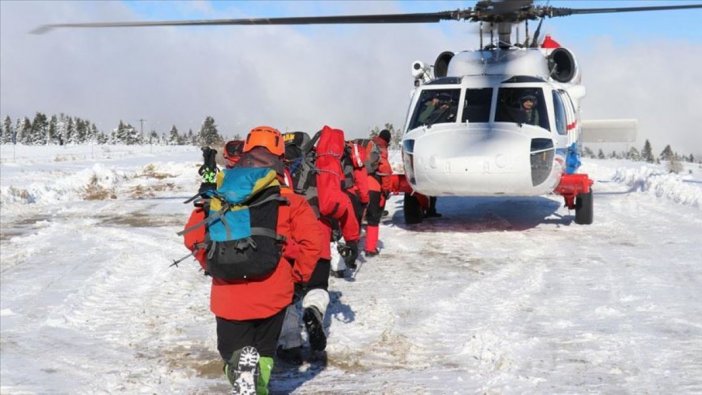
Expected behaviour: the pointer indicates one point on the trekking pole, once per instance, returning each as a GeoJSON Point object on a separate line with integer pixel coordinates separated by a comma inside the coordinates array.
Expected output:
{"type": "Point", "coordinates": [358, 268]}
{"type": "Point", "coordinates": [176, 262]}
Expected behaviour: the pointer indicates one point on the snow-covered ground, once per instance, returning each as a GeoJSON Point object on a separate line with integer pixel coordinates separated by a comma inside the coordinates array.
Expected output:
{"type": "Point", "coordinates": [500, 295]}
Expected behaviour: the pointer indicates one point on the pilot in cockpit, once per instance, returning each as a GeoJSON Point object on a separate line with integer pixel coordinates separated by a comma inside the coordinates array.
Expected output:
{"type": "Point", "coordinates": [528, 103]}
{"type": "Point", "coordinates": [438, 109]}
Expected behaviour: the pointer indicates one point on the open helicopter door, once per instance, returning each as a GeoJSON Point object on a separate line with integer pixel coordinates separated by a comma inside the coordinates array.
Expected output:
{"type": "Point", "coordinates": [609, 131]}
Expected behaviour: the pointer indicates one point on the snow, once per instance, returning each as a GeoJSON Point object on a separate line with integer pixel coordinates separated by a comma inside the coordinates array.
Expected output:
{"type": "Point", "coordinates": [500, 295]}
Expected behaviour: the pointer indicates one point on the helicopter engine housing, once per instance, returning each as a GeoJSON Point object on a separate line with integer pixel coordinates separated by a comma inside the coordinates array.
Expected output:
{"type": "Point", "coordinates": [563, 66]}
{"type": "Point", "coordinates": [441, 64]}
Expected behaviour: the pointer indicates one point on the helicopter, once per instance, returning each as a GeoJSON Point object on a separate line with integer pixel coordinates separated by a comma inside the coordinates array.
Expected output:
{"type": "Point", "coordinates": [500, 120]}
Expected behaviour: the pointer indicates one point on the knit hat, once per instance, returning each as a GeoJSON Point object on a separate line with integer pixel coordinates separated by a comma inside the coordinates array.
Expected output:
{"type": "Point", "coordinates": [385, 135]}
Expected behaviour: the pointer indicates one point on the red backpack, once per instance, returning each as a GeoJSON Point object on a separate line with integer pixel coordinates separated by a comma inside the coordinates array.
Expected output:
{"type": "Point", "coordinates": [330, 147]}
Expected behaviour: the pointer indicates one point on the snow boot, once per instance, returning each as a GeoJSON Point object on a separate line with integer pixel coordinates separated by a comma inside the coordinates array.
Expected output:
{"type": "Point", "coordinates": [338, 273]}
{"type": "Point", "coordinates": [314, 322]}
{"type": "Point", "coordinates": [242, 371]}
{"type": "Point", "coordinates": [291, 356]}
{"type": "Point", "coordinates": [314, 306]}
{"type": "Point", "coordinates": [265, 366]}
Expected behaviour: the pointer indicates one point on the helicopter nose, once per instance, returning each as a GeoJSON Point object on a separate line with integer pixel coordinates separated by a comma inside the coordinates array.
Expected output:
{"type": "Point", "coordinates": [485, 161]}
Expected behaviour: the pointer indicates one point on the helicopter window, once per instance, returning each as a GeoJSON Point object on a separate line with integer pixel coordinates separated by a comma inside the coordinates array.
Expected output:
{"type": "Point", "coordinates": [513, 106]}
{"type": "Point", "coordinates": [476, 106]}
{"type": "Point", "coordinates": [560, 113]}
{"type": "Point", "coordinates": [436, 106]}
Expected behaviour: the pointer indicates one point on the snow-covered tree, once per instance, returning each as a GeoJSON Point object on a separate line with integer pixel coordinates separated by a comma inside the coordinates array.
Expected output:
{"type": "Point", "coordinates": [174, 138]}
{"type": "Point", "coordinates": [7, 131]}
{"type": "Point", "coordinates": [667, 153]}
{"type": "Point", "coordinates": [40, 129]}
{"type": "Point", "coordinates": [647, 152]}
{"type": "Point", "coordinates": [633, 154]}
{"type": "Point", "coordinates": [600, 154]}
{"type": "Point", "coordinates": [587, 152]}
{"type": "Point", "coordinates": [208, 133]}
{"type": "Point", "coordinates": [126, 134]}
{"type": "Point", "coordinates": [24, 133]}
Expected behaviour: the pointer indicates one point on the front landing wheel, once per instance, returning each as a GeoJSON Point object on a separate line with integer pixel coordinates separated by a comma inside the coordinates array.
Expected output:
{"type": "Point", "coordinates": [583, 208]}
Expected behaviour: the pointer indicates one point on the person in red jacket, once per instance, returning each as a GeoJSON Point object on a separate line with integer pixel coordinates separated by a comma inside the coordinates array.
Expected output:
{"type": "Point", "coordinates": [379, 185]}
{"type": "Point", "coordinates": [250, 313]}
{"type": "Point", "coordinates": [334, 205]}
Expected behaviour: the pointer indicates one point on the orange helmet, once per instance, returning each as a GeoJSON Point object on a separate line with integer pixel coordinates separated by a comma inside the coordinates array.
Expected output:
{"type": "Point", "coordinates": [267, 137]}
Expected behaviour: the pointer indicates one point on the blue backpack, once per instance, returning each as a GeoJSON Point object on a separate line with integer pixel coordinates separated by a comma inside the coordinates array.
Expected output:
{"type": "Point", "coordinates": [241, 242]}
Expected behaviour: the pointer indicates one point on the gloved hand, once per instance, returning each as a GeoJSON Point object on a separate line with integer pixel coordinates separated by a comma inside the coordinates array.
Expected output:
{"type": "Point", "coordinates": [205, 187]}
{"type": "Point", "coordinates": [349, 252]}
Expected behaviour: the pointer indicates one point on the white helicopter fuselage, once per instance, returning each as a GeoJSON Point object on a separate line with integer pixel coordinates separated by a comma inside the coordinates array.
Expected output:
{"type": "Point", "coordinates": [483, 149]}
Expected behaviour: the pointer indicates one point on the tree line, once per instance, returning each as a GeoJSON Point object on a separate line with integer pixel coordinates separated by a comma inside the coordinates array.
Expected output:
{"type": "Point", "coordinates": [672, 158]}
{"type": "Point", "coordinates": [65, 129]}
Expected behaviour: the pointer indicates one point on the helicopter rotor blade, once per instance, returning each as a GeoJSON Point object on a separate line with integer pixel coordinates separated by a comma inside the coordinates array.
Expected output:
{"type": "Point", "coordinates": [507, 11]}
{"type": "Point", "coordinates": [425, 17]}
{"type": "Point", "coordinates": [559, 11]}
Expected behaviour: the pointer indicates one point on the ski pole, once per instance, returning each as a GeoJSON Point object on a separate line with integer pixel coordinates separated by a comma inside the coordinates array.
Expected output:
{"type": "Point", "coordinates": [176, 262]}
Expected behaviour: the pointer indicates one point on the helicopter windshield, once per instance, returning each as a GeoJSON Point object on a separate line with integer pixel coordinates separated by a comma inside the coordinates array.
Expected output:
{"type": "Point", "coordinates": [522, 105]}
{"type": "Point", "coordinates": [476, 106]}
{"type": "Point", "coordinates": [436, 106]}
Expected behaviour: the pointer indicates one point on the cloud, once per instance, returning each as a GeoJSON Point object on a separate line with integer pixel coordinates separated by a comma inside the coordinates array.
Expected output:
{"type": "Point", "coordinates": [294, 78]}
{"type": "Point", "coordinates": [654, 82]}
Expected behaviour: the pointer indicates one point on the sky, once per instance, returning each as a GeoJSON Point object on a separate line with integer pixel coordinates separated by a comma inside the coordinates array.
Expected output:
{"type": "Point", "coordinates": [501, 295]}
{"type": "Point", "coordinates": [635, 65]}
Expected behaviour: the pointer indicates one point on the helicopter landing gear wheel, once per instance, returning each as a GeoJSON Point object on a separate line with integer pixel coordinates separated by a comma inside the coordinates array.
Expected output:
{"type": "Point", "coordinates": [583, 208]}
{"type": "Point", "coordinates": [412, 209]}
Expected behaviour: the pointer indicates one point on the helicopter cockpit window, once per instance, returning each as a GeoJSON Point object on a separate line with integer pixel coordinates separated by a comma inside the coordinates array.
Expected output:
{"type": "Point", "coordinates": [522, 105]}
{"type": "Point", "coordinates": [436, 106]}
{"type": "Point", "coordinates": [476, 106]}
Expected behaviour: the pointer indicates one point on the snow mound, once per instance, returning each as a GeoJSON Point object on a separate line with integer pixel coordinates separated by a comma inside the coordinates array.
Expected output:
{"type": "Point", "coordinates": [95, 183]}
{"type": "Point", "coordinates": [663, 185]}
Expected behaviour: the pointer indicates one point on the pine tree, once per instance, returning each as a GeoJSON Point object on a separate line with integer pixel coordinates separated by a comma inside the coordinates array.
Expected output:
{"type": "Point", "coordinates": [70, 136]}
{"type": "Point", "coordinates": [173, 136]}
{"type": "Point", "coordinates": [647, 152]}
{"type": "Point", "coordinates": [633, 154]}
{"type": "Point", "coordinates": [600, 154]}
{"type": "Point", "coordinates": [8, 131]}
{"type": "Point", "coordinates": [191, 138]}
{"type": "Point", "coordinates": [209, 135]}
{"type": "Point", "coordinates": [25, 137]}
{"type": "Point", "coordinates": [667, 153]}
{"type": "Point", "coordinates": [587, 152]}
{"type": "Point", "coordinates": [154, 138]}
{"type": "Point", "coordinates": [54, 137]}
{"type": "Point", "coordinates": [93, 135]}
{"type": "Point", "coordinates": [126, 134]}
{"type": "Point", "coordinates": [40, 129]}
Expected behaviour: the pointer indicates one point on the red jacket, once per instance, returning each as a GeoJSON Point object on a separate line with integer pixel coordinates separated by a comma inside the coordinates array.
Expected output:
{"type": "Point", "coordinates": [248, 300]}
{"type": "Point", "coordinates": [380, 180]}
{"type": "Point", "coordinates": [333, 202]}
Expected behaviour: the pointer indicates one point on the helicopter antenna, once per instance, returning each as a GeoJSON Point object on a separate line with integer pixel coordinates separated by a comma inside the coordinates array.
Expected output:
{"type": "Point", "coordinates": [526, 28]}
{"type": "Point", "coordinates": [535, 40]}
{"type": "Point", "coordinates": [492, 33]}
{"type": "Point", "coordinates": [481, 34]}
